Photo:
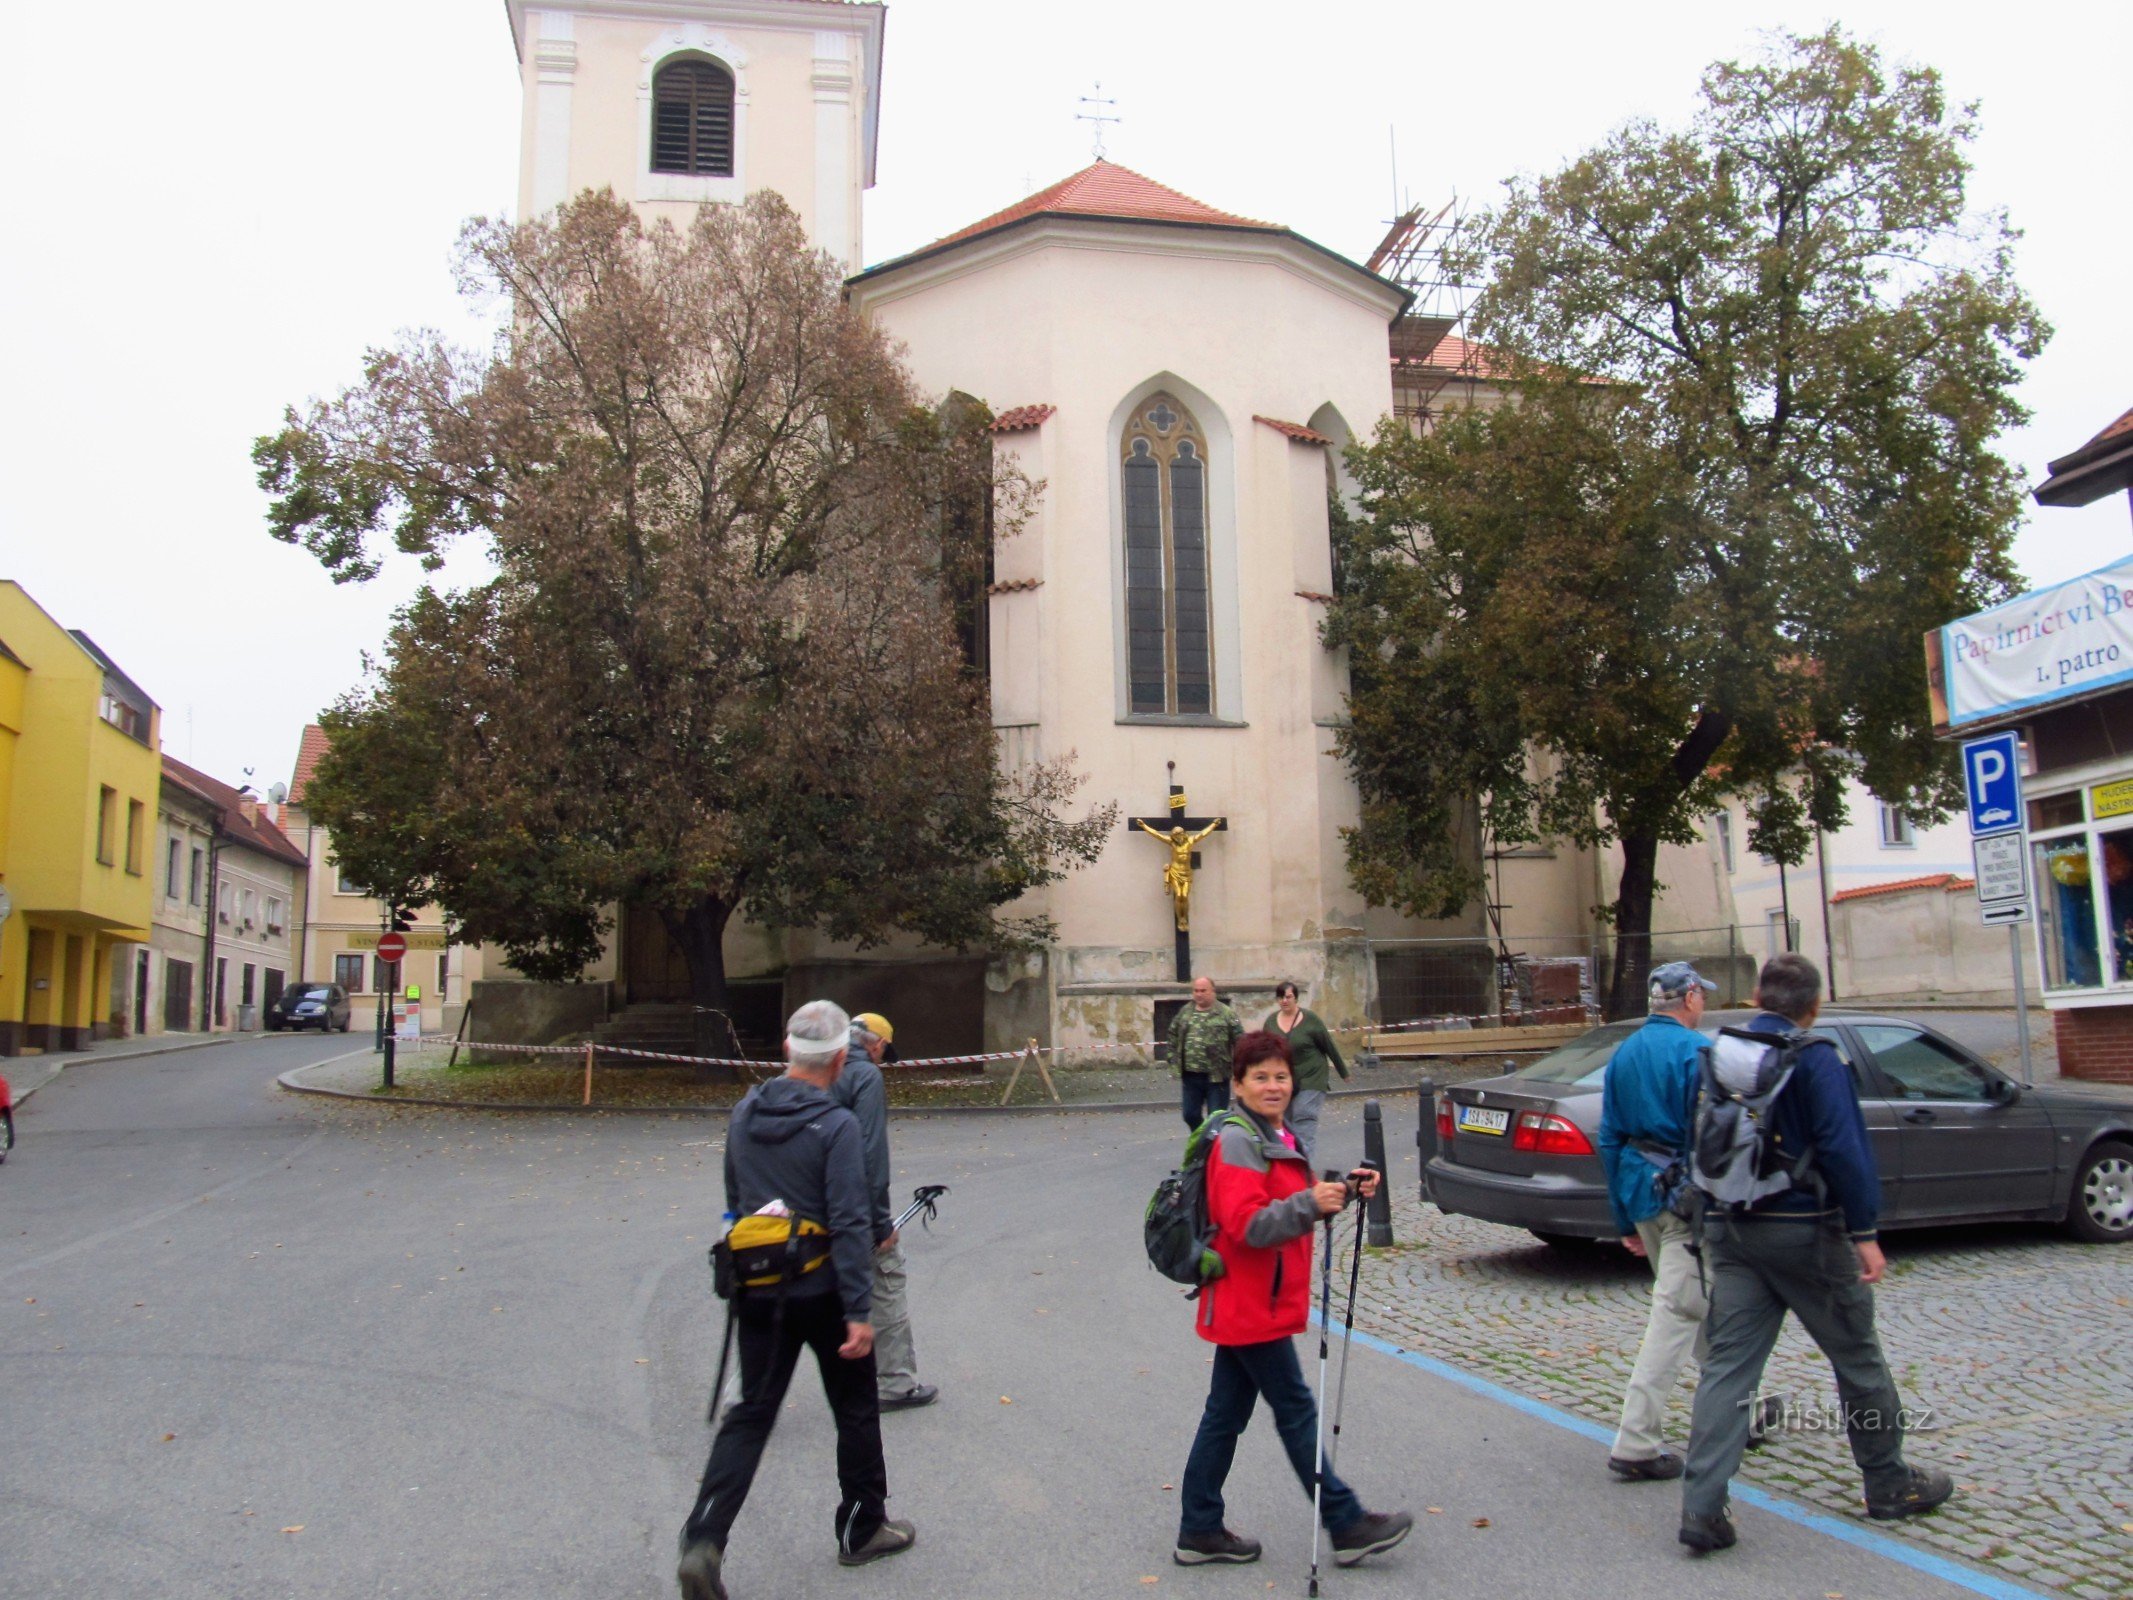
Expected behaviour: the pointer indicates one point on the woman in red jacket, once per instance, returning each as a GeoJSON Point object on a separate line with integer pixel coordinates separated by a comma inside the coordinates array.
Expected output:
{"type": "Point", "coordinates": [1264, 1205]}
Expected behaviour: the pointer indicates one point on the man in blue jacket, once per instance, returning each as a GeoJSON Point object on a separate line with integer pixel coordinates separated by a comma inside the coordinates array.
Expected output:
{"type": "Point", "coordinates": [1646, 1104]}
{"type": "Point", "coordinates": [1811, 1250]}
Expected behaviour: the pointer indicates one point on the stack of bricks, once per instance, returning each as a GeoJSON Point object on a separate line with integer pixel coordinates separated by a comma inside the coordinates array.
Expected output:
{"type": "Point", "coordinates": [2095, 1042]}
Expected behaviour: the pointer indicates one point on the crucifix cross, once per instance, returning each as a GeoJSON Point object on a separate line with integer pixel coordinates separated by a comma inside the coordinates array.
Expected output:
{"type": "Point", "coordinates": [1178, 833]}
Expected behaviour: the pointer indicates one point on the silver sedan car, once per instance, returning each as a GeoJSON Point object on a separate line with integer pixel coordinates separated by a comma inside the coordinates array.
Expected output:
{"type": "Point", "coordinates": [1955, 1139]}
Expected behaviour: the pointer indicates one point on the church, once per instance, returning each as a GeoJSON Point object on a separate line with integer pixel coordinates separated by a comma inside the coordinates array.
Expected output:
{"type": "Point", "coordinates": [1181, 380]}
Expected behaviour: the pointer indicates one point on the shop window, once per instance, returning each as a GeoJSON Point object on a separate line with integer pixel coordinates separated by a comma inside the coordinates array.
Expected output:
{"type": "Point", "coordinates": [2117, 853]}
{"type": "Point", "coordinates": [2066, 914]}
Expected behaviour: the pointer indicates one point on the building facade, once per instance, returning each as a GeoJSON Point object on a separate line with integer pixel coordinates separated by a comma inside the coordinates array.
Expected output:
{"type": "Point", "coordinates": [341, 923]}
{"type": "Point", "coordinates": [80, 752]}
{"type": "Point", "coordinates": [2057, 665]}
{"type": "Point", "coordinates": [229, 902]}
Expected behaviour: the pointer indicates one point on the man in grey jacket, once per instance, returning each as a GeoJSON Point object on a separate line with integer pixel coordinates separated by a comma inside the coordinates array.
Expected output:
{"type": "Point", "coordinates": [860, 1090]}
{"type": "Point", "coordinates": [790, 1144]}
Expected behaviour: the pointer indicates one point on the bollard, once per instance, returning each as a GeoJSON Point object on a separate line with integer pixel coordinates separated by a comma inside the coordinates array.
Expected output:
{"type": "Point", "coordinates": [1379, 1207]}
{"type": "Point", "coordinates": [1425, 1133]}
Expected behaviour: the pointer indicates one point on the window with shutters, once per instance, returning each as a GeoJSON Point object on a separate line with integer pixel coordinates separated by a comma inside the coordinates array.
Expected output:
{"type": "Point", "coordinates": [1163, 477]}
{"type": "Point", "coordinates": [692, 118]}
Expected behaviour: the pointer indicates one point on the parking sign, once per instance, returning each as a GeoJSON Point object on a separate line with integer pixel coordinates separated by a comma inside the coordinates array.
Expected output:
{"type": "Point", "coordinates": [1992, 778]}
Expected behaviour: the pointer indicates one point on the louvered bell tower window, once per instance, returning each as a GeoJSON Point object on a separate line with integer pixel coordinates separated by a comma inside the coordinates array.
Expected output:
{"type": "Point", "coordinates": [1164, 476]}
{"type": "Point", "coordinates": [692, 119]}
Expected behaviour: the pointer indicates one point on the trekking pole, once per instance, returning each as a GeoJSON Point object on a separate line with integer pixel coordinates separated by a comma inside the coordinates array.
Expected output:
{"type": "Point", "coordinates": [725, 1350]}
{"type": "Point", "coordinates": [1318, 1457]}
{"type": "Point", "coordinates": [923, 1199]}
{"type": "Point", "coordinates": [1355, 1272]}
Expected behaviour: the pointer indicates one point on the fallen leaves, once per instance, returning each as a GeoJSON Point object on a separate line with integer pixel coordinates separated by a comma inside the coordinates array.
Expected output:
{"type": "Point", "coordinates": [1481, 1522]}
{"type": "Point", "coordinates": [294, 1527]}
{"type": "Point", "coordinates": [1005, 1401]}
{"type": "Point", "coordinates": [168, 1437]}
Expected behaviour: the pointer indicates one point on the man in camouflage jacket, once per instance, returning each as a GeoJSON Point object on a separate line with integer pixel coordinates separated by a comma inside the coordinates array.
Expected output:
{"type": "Point", "coordinates": [1201, 1038]}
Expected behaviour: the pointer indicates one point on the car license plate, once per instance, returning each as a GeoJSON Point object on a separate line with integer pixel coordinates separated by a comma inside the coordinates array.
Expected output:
{"type": "Point", "coordinates": [1480, 1119]}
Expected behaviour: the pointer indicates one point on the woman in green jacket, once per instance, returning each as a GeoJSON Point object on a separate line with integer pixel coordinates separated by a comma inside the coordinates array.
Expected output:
{"type": "Point", "coordinates": [1311, 1051]}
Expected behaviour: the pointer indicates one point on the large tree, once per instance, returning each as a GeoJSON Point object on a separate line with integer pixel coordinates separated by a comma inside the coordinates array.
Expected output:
{"type": "Point", "coordinates": [1749, 460]}
{"type": "Point", "coordinates": [719, 668]}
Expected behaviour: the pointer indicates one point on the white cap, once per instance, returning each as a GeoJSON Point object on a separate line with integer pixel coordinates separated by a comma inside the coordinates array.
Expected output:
{"type": "Point", "coordinates": [819, 1028]}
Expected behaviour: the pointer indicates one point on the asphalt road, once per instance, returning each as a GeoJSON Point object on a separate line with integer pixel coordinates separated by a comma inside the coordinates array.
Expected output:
{"type": "Point", "coordinates": [258, 1346]}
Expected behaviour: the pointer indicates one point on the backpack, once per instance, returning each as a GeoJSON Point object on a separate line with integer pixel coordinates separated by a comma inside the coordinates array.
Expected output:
{"type": "Point", "coordinates": [1177, 1231]}
{"type": "Point", "coordinates": [1734, 1162]}
{"type": "Point", "coordinates": [767, 1252]}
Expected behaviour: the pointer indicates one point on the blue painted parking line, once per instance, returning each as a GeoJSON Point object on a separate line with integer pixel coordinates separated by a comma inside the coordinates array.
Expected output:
{"type": "Point", "coordinates": [1880, 1544]}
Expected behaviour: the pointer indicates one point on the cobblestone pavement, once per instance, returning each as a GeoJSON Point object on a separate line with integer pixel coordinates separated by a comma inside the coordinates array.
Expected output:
{"type": "Point", "coordinates": [2013, 1339]}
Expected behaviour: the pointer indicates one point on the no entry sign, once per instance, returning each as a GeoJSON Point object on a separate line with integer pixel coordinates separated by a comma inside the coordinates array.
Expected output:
{"type": "Point", "coordinates": [391, 946]}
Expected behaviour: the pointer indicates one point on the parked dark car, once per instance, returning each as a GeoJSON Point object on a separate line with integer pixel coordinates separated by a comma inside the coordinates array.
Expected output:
{"type": "Point", "coordinates": [323, 1006]}
{"type": "Point", "coordinates": [1956, 1140]}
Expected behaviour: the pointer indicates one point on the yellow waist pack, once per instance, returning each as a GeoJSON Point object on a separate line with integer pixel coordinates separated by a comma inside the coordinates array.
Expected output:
{"type": "Point", "coordinates": [767, 1252]}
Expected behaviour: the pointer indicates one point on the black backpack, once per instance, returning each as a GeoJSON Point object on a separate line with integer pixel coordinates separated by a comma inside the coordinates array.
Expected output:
{"type": "Point", "coordinates": [1176, 1229]}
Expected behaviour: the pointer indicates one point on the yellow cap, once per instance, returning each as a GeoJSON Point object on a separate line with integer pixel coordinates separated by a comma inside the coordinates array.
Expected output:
{"type": "Point", "coordinates": [876, 1024]}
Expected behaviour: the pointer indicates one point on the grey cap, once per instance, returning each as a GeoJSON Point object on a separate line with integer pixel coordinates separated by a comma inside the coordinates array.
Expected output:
{"type": "Point", "coordinates": [1673, 982]}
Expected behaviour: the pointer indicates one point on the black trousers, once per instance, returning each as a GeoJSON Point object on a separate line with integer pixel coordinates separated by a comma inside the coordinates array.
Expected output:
{"type": "Point", "coordinates": [770, 1348]}
{"type": "Point", "coordinates": [1198, 1094]}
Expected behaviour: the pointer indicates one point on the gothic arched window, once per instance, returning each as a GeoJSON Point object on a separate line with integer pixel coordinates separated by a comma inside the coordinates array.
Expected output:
{"type": "Point", "coordinates": [692, 118]}
{"type": "Point", "coordinates": [1169, 670]}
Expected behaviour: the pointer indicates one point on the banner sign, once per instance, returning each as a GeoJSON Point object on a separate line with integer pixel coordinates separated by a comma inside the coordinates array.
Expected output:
{"type": "Point", "coordinates": [2056, 644]}
{"type": "Point", "coordinates": [2111, 799]}
{"type": "Point", "coordinates": [415, 941]}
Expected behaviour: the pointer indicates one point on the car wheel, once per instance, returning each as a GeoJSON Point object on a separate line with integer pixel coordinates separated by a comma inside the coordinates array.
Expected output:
{"type": "Point", "coordinates": [1568, 1243]}
{"type": "Point", "coordinates": [2101, 1211]}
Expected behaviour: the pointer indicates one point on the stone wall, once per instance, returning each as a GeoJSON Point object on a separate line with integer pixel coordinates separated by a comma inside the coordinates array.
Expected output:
{"type": "Point", "coordinates": [1925, 944]}
{"type": "Point", "coordinates": [516, 1011]}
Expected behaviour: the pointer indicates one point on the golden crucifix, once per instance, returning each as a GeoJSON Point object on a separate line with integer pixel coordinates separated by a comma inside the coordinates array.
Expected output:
{"type": "Point", "coordinates": [1179, 833]}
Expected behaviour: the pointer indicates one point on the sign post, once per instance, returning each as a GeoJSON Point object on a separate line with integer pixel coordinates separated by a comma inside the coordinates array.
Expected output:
{"type": "Point", "coordinates": [1999, 849]}
{"type": "Point", "coordinates": [391, 947]}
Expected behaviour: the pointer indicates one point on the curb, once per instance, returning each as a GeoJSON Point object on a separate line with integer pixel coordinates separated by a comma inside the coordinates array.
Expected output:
{"type": "Point", "coordinates": [287, 1080]}
{"type": "Point", "coordinates": [132, 1055]}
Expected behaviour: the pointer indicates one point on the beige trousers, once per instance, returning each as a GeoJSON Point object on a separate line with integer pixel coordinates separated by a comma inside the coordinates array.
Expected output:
{"type": "Point", "coordinates": [1673, 1332]}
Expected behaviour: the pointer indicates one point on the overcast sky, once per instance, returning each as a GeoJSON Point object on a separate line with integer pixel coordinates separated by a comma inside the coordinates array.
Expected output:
{"type": "Point", "coordinates": [214, 209]}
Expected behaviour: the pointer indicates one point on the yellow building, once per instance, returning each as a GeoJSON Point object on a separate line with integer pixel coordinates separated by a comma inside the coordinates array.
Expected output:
{"type": "Point", "coordinates": [79, 775]}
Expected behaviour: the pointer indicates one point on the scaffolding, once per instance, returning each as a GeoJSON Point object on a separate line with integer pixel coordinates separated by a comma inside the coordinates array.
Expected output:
{"type": "Point", "coordinates": [1430, 352]}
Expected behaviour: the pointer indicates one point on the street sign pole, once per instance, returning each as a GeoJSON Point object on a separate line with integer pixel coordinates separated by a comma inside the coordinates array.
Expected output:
{"type": "Point", "coordinates": [2014, 951]}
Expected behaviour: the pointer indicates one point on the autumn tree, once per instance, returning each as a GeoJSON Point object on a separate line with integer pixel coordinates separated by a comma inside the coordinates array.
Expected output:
{"type": "Point", "coordinates": [1749, 459]}
{"type": "Point", "coordinates": [717, 670]}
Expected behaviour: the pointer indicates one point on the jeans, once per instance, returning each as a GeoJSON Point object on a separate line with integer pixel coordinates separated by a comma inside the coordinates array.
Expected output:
{"type": "Point", "coordinates": [1242, 1374]}
{"type": "Point", "coordinates": [895, 1354]}
{"type": "Point", "coordinates": [1760, 1268]}
{"type": "Point", "coordinates": [1201, 1094]}
{"type": "Point", "coordinates": [770, 1347]}
{"type": "Point", "coordinates": [1302, 1119]}
{"type": "Point", "coordinates": [1674, 1330]}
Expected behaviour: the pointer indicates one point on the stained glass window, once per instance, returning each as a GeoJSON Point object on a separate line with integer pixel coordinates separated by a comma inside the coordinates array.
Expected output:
{"type": "Point", "coordinates": [1169, 666]}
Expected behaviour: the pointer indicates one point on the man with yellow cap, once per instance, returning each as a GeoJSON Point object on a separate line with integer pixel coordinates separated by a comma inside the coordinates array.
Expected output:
{"type": "Point", "coordinates": [861, 1091]}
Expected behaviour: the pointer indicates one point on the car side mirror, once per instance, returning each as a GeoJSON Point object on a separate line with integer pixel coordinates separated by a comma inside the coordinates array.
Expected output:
{"type": "Point", "coordinates": [2003, 1091]}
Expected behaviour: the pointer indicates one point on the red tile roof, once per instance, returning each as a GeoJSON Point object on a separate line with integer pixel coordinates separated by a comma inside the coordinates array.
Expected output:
{"type": "Point", "coordinates": [307, 757]}
{"type": "Point", "coordinates": [1016, 419]}
{"type": "Point", "coordinates": [1940, 880]}
{"type": "Point", "coordinates": [1454, 354]}
{"type": "Point", "coordinates": [1108, 190]}
{"type": "Point", "coordinates": [1295, 430]}
{"type": "Point", "coordinates": [253, 831]}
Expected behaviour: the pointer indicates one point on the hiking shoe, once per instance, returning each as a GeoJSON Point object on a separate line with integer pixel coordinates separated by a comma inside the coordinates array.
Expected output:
{"type": "Point", "coordinates": [1704, 1534]}
{"type": "Point", "coordinates": [1198, 1549]}
{"type": "Point", "coordinates": [923, 1394]}
{"type": "Point", "coordinates": [1376, 1533]}
{"type": "Point", "coordinates": [1768, 1415]}
{"type": "Point", "coordinates": [1662, 1465]}
{"type": "Point", "coordinates": [1927, 1488]}
{"type": "Point", "coordinates": [888, 1539]}
{"type": "Point", "coordinates": [698, 1572]}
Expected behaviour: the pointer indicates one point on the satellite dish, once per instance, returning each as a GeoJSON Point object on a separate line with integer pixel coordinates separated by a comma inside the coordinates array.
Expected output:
{"type": "Point", "coordinates": [279, 793]}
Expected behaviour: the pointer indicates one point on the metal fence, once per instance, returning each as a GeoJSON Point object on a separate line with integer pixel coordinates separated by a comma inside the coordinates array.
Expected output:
{"type": "Point", "coordinates": [1476, 977]}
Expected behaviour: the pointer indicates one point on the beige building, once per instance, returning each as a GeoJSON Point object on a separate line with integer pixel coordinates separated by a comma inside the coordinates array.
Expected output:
{"type": "Point", "coordinates": [227, 912]}
{"type": "Point", "coordinates": [342, 924]}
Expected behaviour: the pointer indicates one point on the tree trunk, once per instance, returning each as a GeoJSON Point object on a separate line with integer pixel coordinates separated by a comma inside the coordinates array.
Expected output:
{"type": "Point", "coordinates": [701, 938]}
{"type": "Point", "coordinates": [1633, 927]}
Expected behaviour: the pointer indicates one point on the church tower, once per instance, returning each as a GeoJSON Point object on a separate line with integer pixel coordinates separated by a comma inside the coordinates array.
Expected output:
{"type": "Point", "coordinates": [672, 103]}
